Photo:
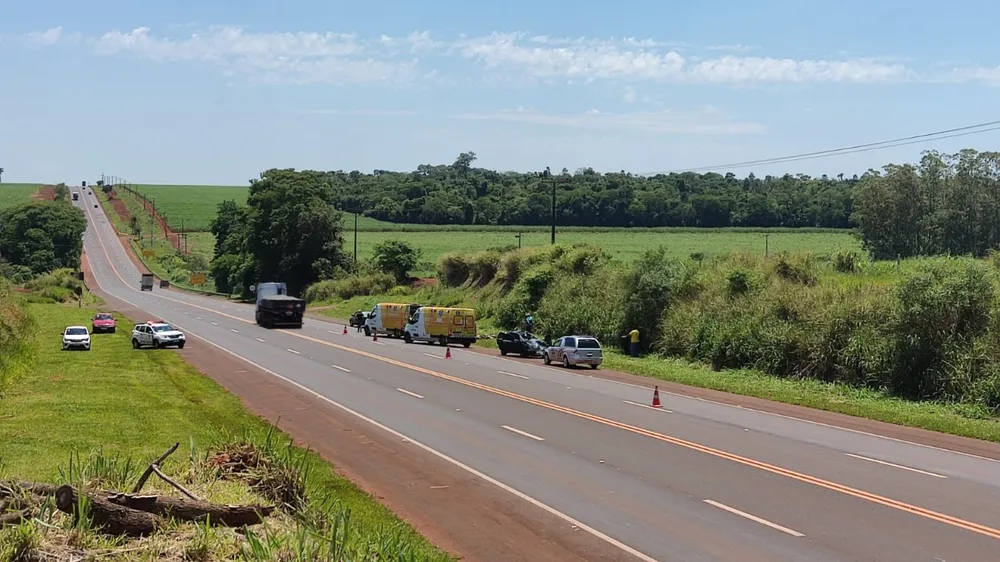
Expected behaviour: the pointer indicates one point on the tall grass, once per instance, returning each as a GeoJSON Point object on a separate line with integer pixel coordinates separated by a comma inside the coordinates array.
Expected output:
{"type": "Point", "coordinates": [16, 330]}
{"type": "Point", "coordinates": [926, 329]}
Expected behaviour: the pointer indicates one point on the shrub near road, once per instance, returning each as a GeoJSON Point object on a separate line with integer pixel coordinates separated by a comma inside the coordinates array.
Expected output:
{"type": "Point", "coordinates": [73, 403]}
{"type": "Point", "coordinates": [15, 335]}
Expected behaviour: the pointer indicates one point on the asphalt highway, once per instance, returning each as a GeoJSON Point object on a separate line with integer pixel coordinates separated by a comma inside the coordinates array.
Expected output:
{"type": "Point", "coordinates": [695, 481]}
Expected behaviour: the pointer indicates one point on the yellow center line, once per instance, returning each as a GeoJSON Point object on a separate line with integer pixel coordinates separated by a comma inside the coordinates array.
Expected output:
{"type": "Point", "coordinates": [746, 461]}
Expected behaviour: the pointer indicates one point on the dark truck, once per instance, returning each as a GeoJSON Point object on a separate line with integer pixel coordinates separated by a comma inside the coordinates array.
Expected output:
{"type": "Point", "coordinates": [147, 282]}
{"type": "Point", "coordinates": [275, 308]}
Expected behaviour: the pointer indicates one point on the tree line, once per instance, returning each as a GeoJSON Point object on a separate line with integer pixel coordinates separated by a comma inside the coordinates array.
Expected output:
{"type": "Point", "coordinates": [40, 236]}
{"type": "Point", "coordinates": [945, 204]}
{"type": "Point", "coordinates": [462, 194]}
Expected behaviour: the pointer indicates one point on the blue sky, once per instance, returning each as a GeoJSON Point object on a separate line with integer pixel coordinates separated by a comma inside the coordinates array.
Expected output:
{"type": "Point", "coordinates": [214, 92]}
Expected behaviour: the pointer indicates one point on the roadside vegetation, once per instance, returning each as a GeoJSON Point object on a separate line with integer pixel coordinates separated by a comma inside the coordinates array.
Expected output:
{"type": "Point", "coordinates": [227, 456]}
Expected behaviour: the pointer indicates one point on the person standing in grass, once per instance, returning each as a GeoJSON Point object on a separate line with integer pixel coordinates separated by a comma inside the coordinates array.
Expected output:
{"type": "Point", "coordinates": [633, 346]}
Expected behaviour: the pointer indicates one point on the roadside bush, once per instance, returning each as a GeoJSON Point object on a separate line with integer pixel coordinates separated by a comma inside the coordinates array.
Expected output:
{"type": "Point", "coordinates": [348, 287]}
{"type": "Point", "coordinates": [583, 304]}
{"type": "Point", "coordinates": [59, 286]}
{"type": "Point", "coordinates": [652, 283]}
{"type": "Point", "coordinates": [16, 342]}
{"type": "Point", "coordinates": [396, 258]}
{"type": "Point", "coordinates": [453, 269]}
{"type": "Point", "coordinates": [846, 262]}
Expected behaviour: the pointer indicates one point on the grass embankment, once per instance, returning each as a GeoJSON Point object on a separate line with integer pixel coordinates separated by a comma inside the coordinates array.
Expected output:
{"type": "Point", "coordinates": [15, 193]}
{"type": "Point", "coordinates": [913, 344]}
{"type": "Point", "coordinates": [113, 409]}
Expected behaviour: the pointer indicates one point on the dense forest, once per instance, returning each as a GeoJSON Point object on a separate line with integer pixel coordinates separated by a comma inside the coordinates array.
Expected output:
{"type": "Point", "coordinates": [945, 204]}
{"type": "Point", "coordinates": [462, 194]}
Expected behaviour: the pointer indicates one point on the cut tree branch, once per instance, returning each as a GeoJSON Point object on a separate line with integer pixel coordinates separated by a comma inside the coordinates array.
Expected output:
{"type": "Point", "coordinates": [149, 470]}
{"type": "Point", "coordinates": [110, 518]}
{"type": "Point", "coordinates": [167, 479]}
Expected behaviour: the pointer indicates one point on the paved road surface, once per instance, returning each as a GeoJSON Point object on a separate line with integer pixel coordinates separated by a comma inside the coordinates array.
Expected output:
{"type": "Point", "coordinates": [695, 481]}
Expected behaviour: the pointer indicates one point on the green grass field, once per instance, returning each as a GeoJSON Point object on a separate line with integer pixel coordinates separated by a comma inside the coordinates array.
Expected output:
{"type": "Point", "coordinates": [192, 206]}
{"type": "Point", "coordinates": [71, 402]}
{"type": "Point", "coordinates": [14, 193]}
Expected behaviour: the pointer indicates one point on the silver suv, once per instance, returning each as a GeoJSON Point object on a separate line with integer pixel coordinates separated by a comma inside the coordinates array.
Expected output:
{"type": "Point", "coordinates": [157, 335]}
{"type": "Point", "coordinates": [575, 350]}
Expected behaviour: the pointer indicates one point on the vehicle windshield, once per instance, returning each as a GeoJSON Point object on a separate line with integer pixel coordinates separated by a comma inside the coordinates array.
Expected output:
{"type": "Point", "coordinates": [104, 317]}
{"type": "Point", "coordinates": [587, 343]}
{"type": "Point", "coordinates": [76, 331]}
{"type": "Point", "coordinates": [162, 328]}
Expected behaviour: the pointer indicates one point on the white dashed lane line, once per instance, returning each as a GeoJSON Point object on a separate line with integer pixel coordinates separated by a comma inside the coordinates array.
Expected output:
{"type": "Point", "coordinates": [899, 466]}
{"type": "Point", "coordinates": [293, 351]}
{"type": "Point", "coordinates": [234, 331]}
{"type": "Point", "coordinates": [524, 433]}
{"type": "Point", "coordinates": [647, 406]}
{"type": "Point", "coordinates": [512, 374]}
{"type": "Point", "coordinates": [338, 367]}
{"type": "Point", "coordinates": [413, 394]}
{"type": "Point", "coordinates": [260, 340]}
{"type": "Point", "coordinates": [754, 518]}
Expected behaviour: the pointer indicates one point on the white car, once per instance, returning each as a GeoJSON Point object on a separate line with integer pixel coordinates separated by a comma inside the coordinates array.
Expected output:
{"type": "Point", "coordinates": [76, 337]}
{"type": "Point", "coordinates": [156, 334]}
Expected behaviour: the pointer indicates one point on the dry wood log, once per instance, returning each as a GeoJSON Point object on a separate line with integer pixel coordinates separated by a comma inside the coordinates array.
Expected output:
{"type": "Point", "coordinates": [110, 518]}
{"type": "Point", "coordinates": [39, 489]}
{"type": "Point", "coordinates": [14, 517]}
{"type": "Point", "coordinates": [193, 510]}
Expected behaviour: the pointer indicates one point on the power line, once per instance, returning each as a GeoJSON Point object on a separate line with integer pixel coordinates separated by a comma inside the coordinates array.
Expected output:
{"type": "Point", "coordinates": [903, 141]}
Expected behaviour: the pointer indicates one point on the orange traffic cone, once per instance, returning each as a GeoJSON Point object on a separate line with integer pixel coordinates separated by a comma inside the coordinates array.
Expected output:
{"type": "Point", "coordinates": [345, 328]}
{"type": "Point", "coordinates": [447, 353]}
{"type": "Point", "coordinates": [656, 397]}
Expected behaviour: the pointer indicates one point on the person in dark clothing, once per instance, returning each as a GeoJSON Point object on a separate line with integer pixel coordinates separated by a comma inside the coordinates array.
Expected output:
{"type": "Point", "coordinates": [529, 323]}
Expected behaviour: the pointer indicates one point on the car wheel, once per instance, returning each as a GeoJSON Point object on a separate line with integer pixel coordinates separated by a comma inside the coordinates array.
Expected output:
{"type": "Point", "coordinates": [467, 344]}
{"type": "Point", "coordinates": [156, 344]}
{"type": "Point", "coordinates": [180, 346]}
{"type": "Point", "coordinates": [407, 338]}
{"type": "Point", "coordinates": [565, 362]}
{"type": "Point", "coordinates": [135, 343]}
{"type": "Point", "coordinates": [443, 341]}
{"type": "Point", "coordinates": [546, 359]}
{"type": "Point", "coordinates": [368, 332]}
{"type": "Point", "coordinates": [503, 352]}
{"type": "Point", "coordinates": [112, 330]}
{"type": "Point", "coordinates": [594, 367]}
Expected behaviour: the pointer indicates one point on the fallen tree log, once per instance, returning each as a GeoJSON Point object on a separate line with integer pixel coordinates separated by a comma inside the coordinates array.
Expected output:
{"type": "Point", "coordinates": [14, 517]}
{"type": "Point", "coordinates": [110, 518]}
{"type": "Point", "coordinates": [8, 488]}
{"type": "Point", "coordinates": [193, 510]}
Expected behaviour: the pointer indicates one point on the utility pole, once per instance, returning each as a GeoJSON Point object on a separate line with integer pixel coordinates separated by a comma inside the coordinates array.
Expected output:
{"type": "Point", "coordinates": [355, 237]}
{"type": "Point", "coordinates": [518, 236]}
{"type": "Point", "coordinates": [553, 210]}
{"type": "Point", "coordinates": [1, 175]}
{"type": "Point", "coordinates": [765, 245]}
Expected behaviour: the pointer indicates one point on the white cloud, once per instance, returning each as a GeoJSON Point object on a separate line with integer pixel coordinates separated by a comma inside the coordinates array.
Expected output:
{"type": "Point", "coordinates": [703, 121]}
{"type": "Point", "coordinates": [303, 57]}
{"type": "Point", "coordinates": [629, 96]}
{"type": "Point", "coordinates": [635, 60]}
{"type": "Point", "coordinates": [360, 112]}
{"type": "Point", "coordinates": [45, 38]}
{"type": "Point", "coordinates": [511, 58]}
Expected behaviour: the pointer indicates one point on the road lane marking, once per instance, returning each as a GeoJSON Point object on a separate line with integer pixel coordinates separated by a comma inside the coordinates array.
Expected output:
{"type": "Point", "coordinates": [896, 466]}
{"type": "Point", "coordinates": [647, 406]}
{"type": "Point", "coordinates": [746, 461]}
{"type": "Point", "coordinates": [512, 374]}
{"type": "Point", "coordinates": [524, 433]}
{"type": "Point", "coordinates": [753, 518]}
{"type": "Point", "coordinates": [198, 317]}
{"type": "Point", "coordinates": [215, 323]}
{"type": "Point", "coordinates": [293, 351]}
{"type": "Point", "coordinates": [432, 355]}
{"type": "Point", "coordinates": [413, 394]}
{"type": "Point", "coordinates": [341, 368]}
{"type": "Point", "coordinates": [234, 331]}
{"type": "Point", "coordinates": [260, 340]}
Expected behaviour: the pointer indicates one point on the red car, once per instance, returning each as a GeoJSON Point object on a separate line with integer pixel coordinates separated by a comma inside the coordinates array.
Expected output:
{"type": "Point", "coordinates": [102, 322]}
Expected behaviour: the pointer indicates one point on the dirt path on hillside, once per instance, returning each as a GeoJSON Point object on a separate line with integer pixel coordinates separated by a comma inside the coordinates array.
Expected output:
{"type": "Point", "coordinates": [455, 510]}
{"type": "Point", "coordinates": [45, 193]}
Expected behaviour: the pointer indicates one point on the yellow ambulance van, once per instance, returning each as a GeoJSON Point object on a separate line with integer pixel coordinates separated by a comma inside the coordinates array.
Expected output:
{"type": "Point", "coordinates": [443, 325]}
{"type": "Point", "coordinates": [387, 318]}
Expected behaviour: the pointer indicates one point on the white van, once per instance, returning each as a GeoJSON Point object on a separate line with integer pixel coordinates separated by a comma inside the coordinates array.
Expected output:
{"type": "Point", "coordinates": [389, 319]}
